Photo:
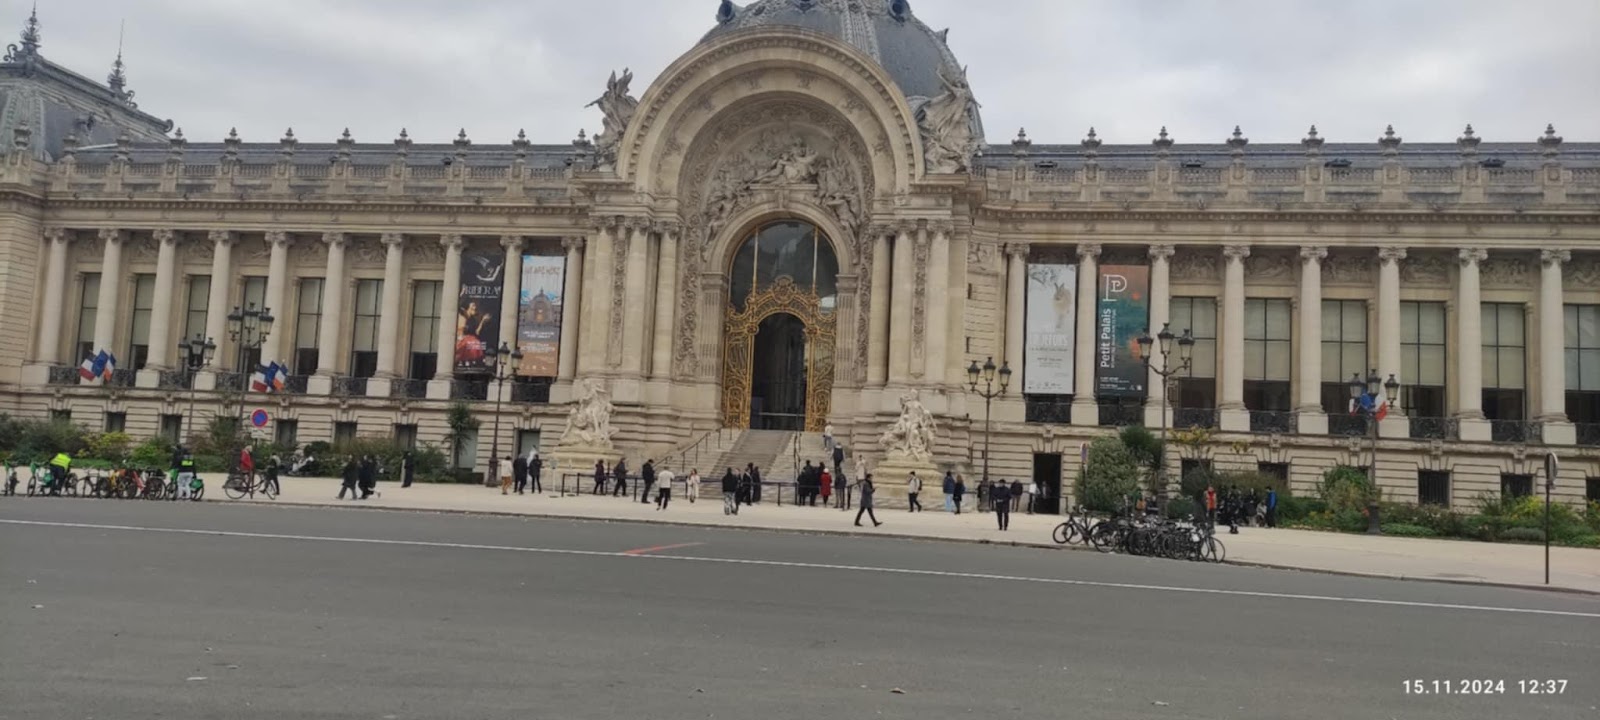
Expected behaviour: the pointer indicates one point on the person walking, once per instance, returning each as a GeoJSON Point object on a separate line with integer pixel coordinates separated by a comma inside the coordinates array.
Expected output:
{"type": "Point", "coordinates": [961, 491]}
{"type": "Point", "coordinates": [691, 485]}
{"type": "Point", "coordinates": [647, 478]}
{"type": "Point", "coordinates": [867, 491]}
{"type": "Point", "coordinates": [269, 477]}
{"type": "Point", "coordinates": [1211, 504]}
{"type": "Point", "coordinates": [535, 467]}
{"type": "Point", "coordinates": [1001, 496]}
{"type": "Point", "coordinates": [599, 477]}
{"type": "Point", "coordinates": [619, 474]}
{"type": "Point", "coordinates": [839, 482]}
{"type": "Point", "coordinates": [949, 490]}
{"type": "Point", "coordinates": [913, 488]}
{"type": "Point", "coordinates": [825, 486]}
{"type": "Point", "coordinates": [664, 494]}
{"type": "Point", "coordinates": [507, 473]}
{"type": "Point", "coordinates": [827, 437]}
{"type": "Point", "coordinates": [408, 469]}
{"type": "Point", "coordinates": [369, 476]}
{"type": "Point", "coordinates": [1272, 507]}
{"type": "Point", "coordinates": [741, 493]}
{"type": "Point", "coordinates": [1016, 494]}
{"type": "Point", "coordinates": [519, 473]}
{"type": "Point", "coordinates": [730, 493]}
{"type": "Point", "coordinates": [755, 484]}
{"type": "Point", "coordinates": [352, 476]}
{"type": "Point", "coordinates": [838, 460]}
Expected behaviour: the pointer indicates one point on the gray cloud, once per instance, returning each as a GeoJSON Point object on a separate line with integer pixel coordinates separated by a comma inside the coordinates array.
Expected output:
{"type": "Point", "coordinates": [1197, 66]}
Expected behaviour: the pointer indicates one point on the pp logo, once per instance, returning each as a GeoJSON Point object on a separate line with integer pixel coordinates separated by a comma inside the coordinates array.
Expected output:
{"type": "Point", "coordinates": [1115, 284]}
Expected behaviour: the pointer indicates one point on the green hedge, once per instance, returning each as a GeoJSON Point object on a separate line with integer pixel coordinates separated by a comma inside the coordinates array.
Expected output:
{"type": "Point", "coordinates": [1522, 534]}
{"type": "Point", "coordinates": [1405, 530]}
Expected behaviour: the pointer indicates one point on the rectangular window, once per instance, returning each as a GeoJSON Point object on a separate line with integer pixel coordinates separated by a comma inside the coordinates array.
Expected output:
{"type": "Point", "coordinates": [116, 422]}
{"type": "Point", "coordinates": [308, 322]}
{"type": "Point", "coordinates": [1433, 487]}
{"type": "Point", "coordinates": [405, 436]}
{"type": "Point", "coordinates": [195, 308]}
{"type": "Point", "coordinates": [61, 416]}
{"type": "Point", "coordinates": [172, 428]}
{"type": "Point", "coordinates": [1276, 470]}
{"type": "Point", "coordinates": [1515, 486]}
{"type": "Point", "coordinates": [1504, 361]}
{"type": "Point", "coordinates": [425, 330]}
{"type": "Point", "coordinates": [1198, 387]}
{"type": "Point", "coordinates": [1268, 353]}
{"type": "Point", "coordinates": [1189, 465]}
{"type": "Point", "coordinates": [286, 433]}
{"type": "Point", "coordinates": [88, 312]}
{"type": "Point", "coordinates": [1582, 329]}
{"type": "Point", "coordinates": [144, 302]}
{"type": "Point", "coordinates": [252, 296]}
{"type": "Point", "coordinates": [343, 433]}
{"type": "Point", "coordinates": [364, 346]}
{"type": "Point", "coordinates": [1423, 360]}
{"type": "Point", "coordinates": [1344, 351]}
{"type": "Point", "coordinates": [1591, 490]}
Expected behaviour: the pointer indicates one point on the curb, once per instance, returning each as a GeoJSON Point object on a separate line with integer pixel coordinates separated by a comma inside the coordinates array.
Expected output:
{"type": "Point", "coordinates": [894, 536]}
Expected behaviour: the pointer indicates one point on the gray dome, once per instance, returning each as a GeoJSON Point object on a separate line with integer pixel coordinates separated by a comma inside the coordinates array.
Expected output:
{"type": "Point", "coordinates": [885, 30]}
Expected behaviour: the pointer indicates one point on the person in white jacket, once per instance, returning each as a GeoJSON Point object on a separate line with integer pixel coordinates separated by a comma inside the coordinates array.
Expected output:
{"type": "Point", "coordinates": [913, 488]}
{"type": "Point", "coordinates": [692, 485]}
{"type": "Point", "coordinates": [664, 484]}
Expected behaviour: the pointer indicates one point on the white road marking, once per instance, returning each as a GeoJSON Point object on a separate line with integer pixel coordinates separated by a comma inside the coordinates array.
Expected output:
{"type": "Point", "coordinates": [818, 566]}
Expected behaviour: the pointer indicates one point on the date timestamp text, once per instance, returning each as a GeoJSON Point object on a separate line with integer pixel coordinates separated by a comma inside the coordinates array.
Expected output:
{"type": "Point", "coordinates": [1476, 686]}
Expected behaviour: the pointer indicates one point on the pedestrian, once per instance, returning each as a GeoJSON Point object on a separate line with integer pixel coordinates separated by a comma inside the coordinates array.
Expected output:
{"type": "Point", "coordinates": [599, 477]}
{"type": "Point", "coordinates": [867, 491]}
{"type": "Point", "coordinates": [961, 490]}
{"type": "Point", "coordinates": [741, 494]}
{"type": "Point", "coordinates": [838, 489]}
{"type": "Point", "coordinates": [1000, 495]}
{"type": "Point", "coordinates": [535, 467]}
{"type": "Point", "coordinates": [825, 486]}
{"type": "Point", "coordinates": [1016, 494]}
{"type": "Point", "coordinates": [507, 473]}
{"type": "Point", "coordinates": [691, 485]}
{"type": "Point", "coordinates": [949, 490]}
{"type": "Point", "coordinates": [838, 460]}
{"type": "Point", "coordinates": [1035, 494]}
{"type": "Point", "coordinates": [352, 475]}
{"type": "Point", "coordinates": [408, 469]}
{"type": "Point", "coordinates": [1211, 504]}
{"type": "Point", "coordinates": [755, 483]}
{"type": "Point", "coordinates": [827, 436]}
{"type": "Point", "coordinates": [270, 477]}
{"type": "Point", "coordinates": [519, 473]}
{"type": "Point", "coordinates": [913, 488]}
{"type": "Point", "coordinates": [647, 478]}
{"type": "Point", "coordinates": [369, 476]}
{"type": "Point", "coordinates": [664, 495]}
{"type": "Point", "coordinates": [619, 474]}
{"type": "Point", "coordinates": [1272, 507]}
{"type": "Point", "coordinates": [247, 465]}
{"type": "Point", "coordinates": [730, 493]}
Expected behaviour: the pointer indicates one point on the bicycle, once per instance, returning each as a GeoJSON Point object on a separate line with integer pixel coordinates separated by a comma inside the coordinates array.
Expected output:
{"type": "Point", "coordinates": [239, 485]}
{"type": "Point", "coordinates": [1075, 529]}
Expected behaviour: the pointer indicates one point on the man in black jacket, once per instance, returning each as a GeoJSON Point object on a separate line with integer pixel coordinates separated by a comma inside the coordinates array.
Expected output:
{"type": "Point", "coordinates": [730, 493]}
{"type": "Point", "coordinates": [599, 477]}
{"type": "Point", "coordinates": [519, 473]}
{"type": "Point", "coordinates": [535, 466]}
{"type": "Point", "coordinates": [369, 476]}
{"type": "Point", "coordinates": [647, 478]}
{"type": "Point", "coordinates": [620, 475]}
{"type": "Point", "coordinates": [755, 483]}
{"type": "Point", "coordinates": [1000, 495]}
{"type": "Point", "coordinates": [351, 478]}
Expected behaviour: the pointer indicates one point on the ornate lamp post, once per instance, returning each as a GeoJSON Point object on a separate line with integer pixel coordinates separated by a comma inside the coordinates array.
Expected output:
{"type": "Point", "coordinates": [988, 393]}
{"type": "Point", "coordinates": [1168, 374]}
{"type": "Point", "coordinates": [248, 327]}
{"type": "Point", "coordinates": [197, 354]}
{"type": "Point", "coordinates": [1365, 395]}
{"type": "Point", "coordinates": [505, 365]}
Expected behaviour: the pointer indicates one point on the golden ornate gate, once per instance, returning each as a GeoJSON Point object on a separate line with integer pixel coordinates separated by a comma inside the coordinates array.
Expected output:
{"type": "Point", "coordinates": [740, 328]}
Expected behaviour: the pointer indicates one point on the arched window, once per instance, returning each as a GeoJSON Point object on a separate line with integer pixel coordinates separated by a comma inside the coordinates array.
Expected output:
{"type": "Point", "coordinates": [789, 248]}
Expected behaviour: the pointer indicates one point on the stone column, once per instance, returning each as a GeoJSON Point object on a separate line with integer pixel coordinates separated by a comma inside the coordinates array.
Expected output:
{"type": "Point", "coordinates": [936, 307]}
{"type": "Point", "coordinates": [903, 283]}
{"type": "Point", "coordinates": [1313, 420]}
{"type": "Point", "coordinates": [55, 296]}
{"type": "Point", "coordinates": [510, 289]}
{"type": "Point", "coordinates": [1160, 316]}
{"type": "Point", "coordinates": [1552, 407]}
{"type": "Point", "coordinates": [1395, 425]}
{"type": "Point", "coordinates": [105, 319]}
{"type": "Point", "coordinates": [330, 355]}
{"type": "Point", "coordinates": [845, 316]}
{"type": "Point", "coordinates": [449, 297]}
{"type": "Point", "coordinates": [593, 347]}
{"type": "Point", "coordinates": [1085, 408]}
{"type": "Point", "coordinates": [571, 308]}
{"type": "Point", "coordinates": [666, 303]}
{"type": "Point", "coordinates": [1234, 415]}
{"type": "Point", "coordinates": [277, 298]}
{"type": "Point", "coordinates": [162, 343]}
{"type": "Point", "coordinates": [217, 304]}
{"type": "Point", "coordinates": [636, 297]}
{"type": "Point", "coordinates": [878, 307]}
{"type": "Point", "coordinates": [1469, 344]}
{"type": "Point", "coordinates": [394, 279]}
{"type": "Point", "coordinates": [1017, 313]}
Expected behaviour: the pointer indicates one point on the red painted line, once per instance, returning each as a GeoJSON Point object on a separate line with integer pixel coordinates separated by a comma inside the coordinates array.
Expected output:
{"type": "Point", "coordinates": [658, 548]}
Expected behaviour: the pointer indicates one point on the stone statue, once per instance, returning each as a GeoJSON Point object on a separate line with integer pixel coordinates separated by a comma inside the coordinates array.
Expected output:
{"type": "Point", "coordinates": [589, 420]}
{"type": "Point", "coordinates": [838, 192]}
{"type": "Point", "coordinates": [793, 166]}
{"type": "Point", "coordinates": [948, 141]}
{"type": "Point", "coordinates": [617, 107]}
{"type": "Point", "coordinates": [911, 436]}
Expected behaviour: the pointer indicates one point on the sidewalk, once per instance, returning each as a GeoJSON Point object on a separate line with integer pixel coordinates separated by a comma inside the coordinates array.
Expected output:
{"type": "Point", "coordinates": [1406, 558]}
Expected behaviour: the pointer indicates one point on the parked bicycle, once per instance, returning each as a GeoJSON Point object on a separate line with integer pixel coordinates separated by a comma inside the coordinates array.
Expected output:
{"type": "Point", "coordinates": [239, 485]}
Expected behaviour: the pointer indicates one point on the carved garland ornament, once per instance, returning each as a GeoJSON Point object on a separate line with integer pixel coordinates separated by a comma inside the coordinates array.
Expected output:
{"type": "Point", "coordinates": [619, 286]}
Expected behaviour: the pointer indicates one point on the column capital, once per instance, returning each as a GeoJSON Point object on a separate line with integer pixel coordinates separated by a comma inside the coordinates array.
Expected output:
{"type": "Point", "coordinates": [1471, 256]}
{"type": "Point", "coordinates": [278, 238]}
{"type": "Point", "coordinates": [1088, 251]}
{"type": "Point", "coordinates": [111, 235]}
{"type": "Point", "coordinates": [57, 234]}
{"type": "Point", "coordinates": [573, 243]}
{"type": "Point", "coordinates": [904, 228]}
{"type": "Point", "coordinates": [223, 237]}
{"type": "Point", "coordinates": [1313, 253]}
{"type": "Point", "coordinates": [666, 227]}
{"type": "Point", "coordinates": [1554, 257]}
{"type": "Point", "coordinates": [1018, 249]}
{"type": "Point", "coordinates": [165, 236]}
{"type": "Point", "coordinates": [942, 227]}
{"type": "Point", "coordinates": [334, 239]}
{"type": "Point", "coordinates": [1387, 255]}
{"type": "Point", "coordinates": [1162, 252]}
{"type": "Point", "coordinates": [511, 242]}
{"type": "Point", "coordinates": [1236, 252]}
{"type": "Point", "coordinates": [392, 239]}
{"type": "Point", "coordinates": [452, 242]}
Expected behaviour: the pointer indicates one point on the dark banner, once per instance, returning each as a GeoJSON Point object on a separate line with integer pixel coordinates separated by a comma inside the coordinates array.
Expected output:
{"type": "Point", "coordinates": [539, 314]}
{"type": "Point", "coordinates": [478, 308]}
{"type": "Point", "coordinates": [1124, 314]}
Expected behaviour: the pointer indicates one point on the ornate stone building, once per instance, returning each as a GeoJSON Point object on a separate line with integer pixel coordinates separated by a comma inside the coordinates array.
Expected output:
{"type": "Point", "coordinates": [800, 221]}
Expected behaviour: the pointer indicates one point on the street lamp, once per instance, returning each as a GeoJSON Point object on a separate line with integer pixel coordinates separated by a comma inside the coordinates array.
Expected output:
{"type": "Point", "coordinates": [1168, 374]}
{"type": "Point", "coordinates": [988, 393]}
{"type": "Point", "coordinates": [248, 327]}
{"type": "Point", "coordinates": [504, 361]}
{"type": "Point", "coordinates": [197, 354]}
{"type": "Point", "coordinates": [1365, 396]}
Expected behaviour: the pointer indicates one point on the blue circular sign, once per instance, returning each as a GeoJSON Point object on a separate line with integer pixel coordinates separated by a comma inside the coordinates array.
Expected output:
{"type": "Point", "coordinates": [258, 418]}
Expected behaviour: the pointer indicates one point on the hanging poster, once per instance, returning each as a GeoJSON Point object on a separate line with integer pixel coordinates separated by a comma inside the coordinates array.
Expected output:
{"type": "Point", "coordinates": [539, 314]}
{"type": "Point", "coordinates": [1052, 329]}
{"type": "Point", "coordinates": [477, 327]}
{"type": "Point", "coordinates": [1124, 299]}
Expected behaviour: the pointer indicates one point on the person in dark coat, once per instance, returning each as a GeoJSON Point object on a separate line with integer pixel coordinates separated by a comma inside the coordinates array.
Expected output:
{"type": "Point", "coordinates": [867, 490]}
{"type": "Point", "coordinates": [519, 473]}
{"type": "Point", "coordinates": [1016, 494]}
{"type": "Point", "coordinates": [959, 492]}
{"type": "Point", "coordinates": [1000, 495]}
{"type": "Point", "coordinates": [408, 469]}
{"type": "Point", "coordinates": [838, 490]}
{"type": "Point", "coordinates": [647, 478]}
{"type": "Point", "coordinates": [369, 476]}
{"type": "Point", "coordinates": [535, 467]}
{"type": "Point", "coordinates": [838, 460]}
{"type": "Point", "coordinates": [620, 475]}
{"type": "Point", "coordinates": [755, 483]}
{"type": "Point", "coordinates": [352, 475]}
{"type": "Point", "coordinates": [730, 493]}
{"type": "Point", "coordinates": [741, 492]}
{"type": "Point", "coordinates": [949, 488]}
{"type": "Point", "coordinates": [599, 477]}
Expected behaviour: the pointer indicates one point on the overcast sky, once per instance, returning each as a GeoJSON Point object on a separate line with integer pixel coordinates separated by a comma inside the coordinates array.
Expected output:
{"type": "Point", "coordinates": [1056, 67]}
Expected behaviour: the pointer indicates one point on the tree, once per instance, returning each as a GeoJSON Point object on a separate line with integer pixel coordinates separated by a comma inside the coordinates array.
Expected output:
{"type": "Point", "coordinates": [461, 423]}
{"type": "Point", "coordinates": [1108, 477]}
{"type": "Point", "coordinates": [1147, 451]}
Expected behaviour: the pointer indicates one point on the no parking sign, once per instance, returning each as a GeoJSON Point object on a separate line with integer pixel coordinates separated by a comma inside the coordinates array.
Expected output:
{"type": "Point", "coordinates": [259, 418]}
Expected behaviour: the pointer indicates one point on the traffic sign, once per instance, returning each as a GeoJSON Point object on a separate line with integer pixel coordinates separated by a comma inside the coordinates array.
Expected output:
{"type": "Point", "coordinates": [1552, 468]}
{"type": "Point", "coordinates": [258, 418]}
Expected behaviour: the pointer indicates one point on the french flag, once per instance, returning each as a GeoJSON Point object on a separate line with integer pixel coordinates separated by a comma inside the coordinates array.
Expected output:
{"type": "Point", "coordinates": [268, 378]}
{"type": "Point", "coordinates": [1380, 411]}
{"type": "Point", "coordinates": [98, 366]}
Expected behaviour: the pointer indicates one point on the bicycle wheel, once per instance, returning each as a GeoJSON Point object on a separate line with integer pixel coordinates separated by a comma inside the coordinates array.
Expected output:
{"type": "Point", "coordinates": [269, 489]}
{"type": "Point", "coordinates": [1063, 534]}
{"type": "Point", "coordinates": [1212, 550]}
{"type": "Point", "coordinates": [234, 487]}
{"type": "Point", "coordinates": [197, 494]}
{"type": "Point", "coordinates": [70, 488]}
{"type": "Point", "coordinates": [1103, 537]}
{"type": "Point", "coordinates": [33, 487]}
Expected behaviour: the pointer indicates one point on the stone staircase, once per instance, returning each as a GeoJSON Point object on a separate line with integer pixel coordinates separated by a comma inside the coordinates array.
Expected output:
{"type": "Point", "coordinates": [768, 449]}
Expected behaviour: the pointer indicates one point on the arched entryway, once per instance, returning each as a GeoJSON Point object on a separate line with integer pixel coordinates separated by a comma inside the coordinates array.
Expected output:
{"type": "Point", "coordinates": [779, 329]}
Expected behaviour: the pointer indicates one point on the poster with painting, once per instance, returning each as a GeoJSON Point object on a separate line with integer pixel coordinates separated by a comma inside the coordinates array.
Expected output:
{"type": "Point", "coordinates": [1051, 329]}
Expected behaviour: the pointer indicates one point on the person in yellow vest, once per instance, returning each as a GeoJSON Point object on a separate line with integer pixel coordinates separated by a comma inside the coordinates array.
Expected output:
{"type": "Point", "coordinates": [59, 465]}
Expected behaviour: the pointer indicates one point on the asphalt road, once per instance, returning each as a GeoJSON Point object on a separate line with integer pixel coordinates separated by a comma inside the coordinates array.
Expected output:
{"type": "Point", "coordinates": [152, 610]}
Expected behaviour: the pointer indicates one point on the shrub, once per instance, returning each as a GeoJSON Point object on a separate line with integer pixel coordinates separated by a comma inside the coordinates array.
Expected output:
{"type": "Point", "coordinates": [1145, 449]}
{"type": "Point", "coordinates": [1591, 541]}
{"type": "Point", "coordinates": [1194, 484]}
{"type": "Point", "coordinates": [1440, 520]}
{"type": "Point", "coordinates": [1406, 530]}
{"type": "Point", "coordinates": [1591, 516]}
{"type": "Point", "coordinates": [153, 453]}
{"type": "Point", "coordinates": [1108, 477]}
{"type": "Point", "coordinates": [1346, 488]}
{"type": "Point", "coordinates": [40, 440]}
{"type": "Point", "coordinates": [1294, 509]}
{"type": "Point", "coordinates": [111, 446]}
{"type": "Point", "coordinates": [210, 464]}
{"type": "Point", "coordinates": [1522, 534]}
{"type": "Point", "coordinates": [1349, 520]}
{"type": "Point", "coordinates": [1181, 507]}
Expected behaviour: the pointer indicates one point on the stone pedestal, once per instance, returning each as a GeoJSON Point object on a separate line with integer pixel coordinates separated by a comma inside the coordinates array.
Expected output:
{"type": "Point", "coordinates": [205, 381]}
{"type": "Point", "coordinates": [1395, 426]}
{"type": "Point", "coordinates": [321, 385]}
{"type": "Point", "coordinates": [1234, 419]}
{"type": "Point", "coordinates": [579, 460]}
{"type": "Point", "coordinates": [379, 387]}
{"type": "Point", "coordinates": [147, 379]}
{"type": "Point", "coordinates": [889, 478]}
{"type": "Point", "coordinates": [1560, 433]}
{"type": "Point", "coordinates": [1312, 422]}
{"type": "Point", "coordinates": [439, 389]}
{"type": "Point", "coordinates": [1474, 430]}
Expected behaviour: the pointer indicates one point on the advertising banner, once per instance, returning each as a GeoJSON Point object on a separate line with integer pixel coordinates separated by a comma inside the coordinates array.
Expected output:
{"type": "Point", "coordinates": [1052, 329]}
{"type": "Point", "coordinates": [539, 314]}
{"type": "Point", "coordinates": [477, 327]}
{"type": "Point", "coordinates": [1124, 299]}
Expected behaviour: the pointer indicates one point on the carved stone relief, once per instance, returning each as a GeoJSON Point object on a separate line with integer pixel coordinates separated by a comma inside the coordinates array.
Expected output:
{"type": "Point", "coordinates": [309, 249]}
{"type": "Point", "coordinates": [1426, 268]}
{"type": "Point", "coordinates": [424, 251]}
{"type": "Point", "coordinates": [1349, 267]}
{"type": "Point", "coordinates": [981, 254]}
{"type": "Point", "coordinates": [1269, 265]}
{"type": "Point", "coordinates": [143, 247]}
{"type": "Point", "coordinates": [919, 297]}
{"type": "Point", "coordinates": [1584, 272]}
{"type": "Point", "coordinates": [1194, 264]}
{"type": "Point", "coordinates": [619, 283]}
{"type": "Point", "coordinates": [365, 251]}
{"type": "Point", "coordinates": [1506, 270]}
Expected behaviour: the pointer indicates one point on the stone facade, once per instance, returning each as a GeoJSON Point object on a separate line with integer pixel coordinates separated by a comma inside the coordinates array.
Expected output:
{"type": "Point", "coordinates": [933, 234]}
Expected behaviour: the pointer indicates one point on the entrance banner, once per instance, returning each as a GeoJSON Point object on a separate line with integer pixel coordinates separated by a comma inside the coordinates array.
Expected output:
{"type": "Point", "coordinates": [1124, 299]}
{"type": "Point", "coordinates": [477, 328]}
{"type": "Point", "coordinates": [1052, 329]}
{"type": "Point", "coordinates": [539, 314]}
